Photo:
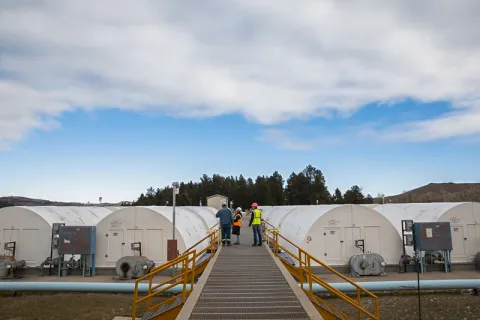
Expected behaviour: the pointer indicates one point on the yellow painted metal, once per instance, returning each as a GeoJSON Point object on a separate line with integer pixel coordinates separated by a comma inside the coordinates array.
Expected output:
{"type": "Point", "coordinates": [303, 273]}
{"type": "Point", "coordinates": [187, 275]}
{"type": "Point", "coordinates": [328, 315]}
{"type": "Point", "coordinates": [170, 314]}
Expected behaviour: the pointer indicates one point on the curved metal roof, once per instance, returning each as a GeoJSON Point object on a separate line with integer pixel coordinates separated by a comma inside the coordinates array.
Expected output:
{"type": "Point", "coordinates": [276, 215]}
{"type": "Point", "coordinates": [205, 213]}
{"type": "Point", "coordinates": [371, 205]}
{"type": "Point", "coordinates": [189, 225]}
{"type": "Point", "coordinates": [88, 216]}
{"type": "Point", "coordinates": [418, 212]}
{"type": "Point", "coordinates": [306, 216]}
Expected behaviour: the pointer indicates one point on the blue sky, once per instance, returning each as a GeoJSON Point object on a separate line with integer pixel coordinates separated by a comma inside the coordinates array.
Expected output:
{"type": "Point", "coordinates": [118, 154]}
{"type": "Point", "coordinates": [108, 102]}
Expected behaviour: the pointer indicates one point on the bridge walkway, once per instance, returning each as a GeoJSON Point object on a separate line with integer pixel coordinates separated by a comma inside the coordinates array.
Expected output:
{"type": "Point", "coordinates": [247, 282]}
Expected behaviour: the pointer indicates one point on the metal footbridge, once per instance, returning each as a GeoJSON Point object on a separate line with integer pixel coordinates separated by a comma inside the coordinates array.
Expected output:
{"type": "Point", "coordinates": [246, 282]}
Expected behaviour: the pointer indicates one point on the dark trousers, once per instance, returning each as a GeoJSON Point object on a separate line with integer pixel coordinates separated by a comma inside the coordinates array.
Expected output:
{"type": "Point", "coordinates": [226, 231]}
{"type": "Point", "coordinates": [257, 232]}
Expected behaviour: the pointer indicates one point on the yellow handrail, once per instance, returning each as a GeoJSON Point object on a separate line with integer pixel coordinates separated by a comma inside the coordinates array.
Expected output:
{"type": "Point", "coordinates": [187, 260]}
{"type": "Point", "coordinates": [305, 260]}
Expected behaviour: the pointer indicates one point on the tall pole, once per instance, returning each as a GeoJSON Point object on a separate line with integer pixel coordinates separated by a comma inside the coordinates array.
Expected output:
{"type": "Point", "coordinates": [175, 191]}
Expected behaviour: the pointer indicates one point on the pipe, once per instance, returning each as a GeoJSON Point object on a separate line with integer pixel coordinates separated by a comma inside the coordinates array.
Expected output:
{"type": "Point", "coordinates": [82, 287]}
{"type": "Point", "coordinates": [401, 285]}
{"type": "Point", "coordinates": [129, 287]}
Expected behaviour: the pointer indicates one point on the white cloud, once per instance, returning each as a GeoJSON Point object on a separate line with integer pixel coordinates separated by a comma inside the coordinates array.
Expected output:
{"type": "Point", "coordinates": [267, 60]}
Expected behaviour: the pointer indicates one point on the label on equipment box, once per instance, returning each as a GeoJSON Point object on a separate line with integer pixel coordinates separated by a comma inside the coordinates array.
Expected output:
{"type": "Point", "coordinates": [429, 233]}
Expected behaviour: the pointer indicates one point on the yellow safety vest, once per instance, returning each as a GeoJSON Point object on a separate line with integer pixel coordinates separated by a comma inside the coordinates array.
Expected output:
{"type": "Point", "coordinates": [257, 217]}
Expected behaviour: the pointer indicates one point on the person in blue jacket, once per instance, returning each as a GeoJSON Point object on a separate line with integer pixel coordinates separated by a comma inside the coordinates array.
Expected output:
{"type": "Point", "coordinates": [226, 222]}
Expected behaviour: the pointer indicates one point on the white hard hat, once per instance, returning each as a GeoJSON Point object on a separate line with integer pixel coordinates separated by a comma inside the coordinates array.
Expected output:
{"type": "Point", "coordinates": [239, 209]}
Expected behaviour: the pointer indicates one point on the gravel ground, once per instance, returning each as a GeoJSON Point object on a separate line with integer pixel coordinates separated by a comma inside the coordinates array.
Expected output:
{"type": "Point", "coordinates": [452, 305]}
{"type": "Point", "coordinates": [82, 306]}
{"type": "Point", "coordinates": [74, 306]}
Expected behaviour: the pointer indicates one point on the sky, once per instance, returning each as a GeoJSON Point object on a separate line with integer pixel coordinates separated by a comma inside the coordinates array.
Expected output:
{"type": "Point", "coordinates": [107, 98]}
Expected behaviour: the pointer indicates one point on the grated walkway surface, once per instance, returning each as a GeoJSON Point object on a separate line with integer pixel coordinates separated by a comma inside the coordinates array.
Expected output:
{"type": "Point", "coordinates": [245, 283]}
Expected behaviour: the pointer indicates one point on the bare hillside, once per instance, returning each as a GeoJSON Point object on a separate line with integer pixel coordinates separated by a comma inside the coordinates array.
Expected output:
{"type": "Point", "coordinates": [23, 201]}
{"type": "Point", "coordinates": [438, 192]}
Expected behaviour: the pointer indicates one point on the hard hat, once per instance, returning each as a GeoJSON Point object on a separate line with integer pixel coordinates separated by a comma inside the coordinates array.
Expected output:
{"type": "Point", "coordinates": [239, 209]}
{"type": "Point", "coordinates": [255, 205]}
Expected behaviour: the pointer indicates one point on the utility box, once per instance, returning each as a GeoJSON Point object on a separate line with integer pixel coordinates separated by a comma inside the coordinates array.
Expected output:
{"type": "Point", "coordinates": [432, 236]}
{"type": "Point", "coordinates": [409, 240]}
{"type": "Point", "coordinates": [77, 240]}
{"type": "Point", "coordinates": [172, 251]}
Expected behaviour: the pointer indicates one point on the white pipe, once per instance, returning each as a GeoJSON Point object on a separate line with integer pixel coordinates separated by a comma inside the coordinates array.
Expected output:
{"type": "Point", "coordinates": [129, 287]}
{"type": "Point", "coordinates": [82, 287]}
{"type": "Point", "coordinates": [401, 285]}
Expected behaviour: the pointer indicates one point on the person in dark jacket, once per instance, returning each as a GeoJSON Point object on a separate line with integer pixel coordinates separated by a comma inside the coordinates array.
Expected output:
{"type": "Point", "coordinates": [237, 224]}
{"type": "Point", "coordinates": [226, 221]}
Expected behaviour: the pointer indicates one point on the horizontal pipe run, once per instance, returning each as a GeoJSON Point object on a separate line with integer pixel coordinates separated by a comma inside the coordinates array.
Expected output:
{"type": "Point", "coordinates": [401, 285]}
{"type": "Point", "coordinates": [143, 288]}
{"type": "Point", "coordinates": [83, 287]}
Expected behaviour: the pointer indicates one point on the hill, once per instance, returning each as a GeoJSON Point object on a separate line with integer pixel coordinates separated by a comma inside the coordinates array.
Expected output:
{"type": "Point", "coordinates": [23, 201]}
{"type": "Point", "coordinates": [438, 192]}
{"type": "Point", "coordinates": [433, 192]}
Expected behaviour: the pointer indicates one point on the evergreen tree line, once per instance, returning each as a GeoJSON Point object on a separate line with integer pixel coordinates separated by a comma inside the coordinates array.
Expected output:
{"type": "Point", "coordinates": [304, 188]}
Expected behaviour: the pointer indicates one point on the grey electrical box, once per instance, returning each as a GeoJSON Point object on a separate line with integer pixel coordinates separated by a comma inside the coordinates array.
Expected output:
{"type": "Point", "coordinates": [409, 240]}
{"type": "Point", "coordinates": [408, 225]}
{"type": "Point", "coordinates": [432, 236]}
{"type": "Point", "coordinates": [77, 240]}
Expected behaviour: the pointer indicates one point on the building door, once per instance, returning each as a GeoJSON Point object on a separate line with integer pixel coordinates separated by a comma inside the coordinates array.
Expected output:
{"type": "Point", "coordinates": [350, 235]}
{"type": "Point", "coordinates": [116, 244]}
{"type": "Point", "coordinates": [134, 235]}
{"type": "Point", "coordinates": [473, 239]}
{"type": "Point", "coordinates": [29, 246]}
{"type": "Point", "coordinates": [373, 242]}
{"type": "Point", "coordinates": [458, 242]}
{"type": "Point", "coordinates": [333, 244]}
{"type": "Point", "coordinates": [155, 249]}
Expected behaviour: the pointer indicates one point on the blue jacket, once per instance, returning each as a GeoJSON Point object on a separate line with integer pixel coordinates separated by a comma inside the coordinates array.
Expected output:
{"type": "Point", "coordinates": [225, 216]}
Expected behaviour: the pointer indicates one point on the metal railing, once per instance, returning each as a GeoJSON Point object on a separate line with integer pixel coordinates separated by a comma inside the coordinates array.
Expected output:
{"type": "Point", "coordinates": [306, 277]}
{"type": "Point", "coordinates": [189, 269]}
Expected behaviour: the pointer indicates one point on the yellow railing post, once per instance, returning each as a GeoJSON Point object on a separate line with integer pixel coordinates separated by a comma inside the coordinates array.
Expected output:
{"type": "Point", "coordinates": [185, 265]}
{"type": "Point", "coordinates": [359, 303]}
{"type": "Point", "coordinates": [310, 278]}
{"type": "Point", "coordinates": [150, 282]}
{"type": "Point", "coordinates": [300, 269]}
{"type": "Point", "coordinates": [193, 271]}
{"type": "Point", "coordinates": [275, 234]}
{"type": "Point", "coordinates": [135, 298]}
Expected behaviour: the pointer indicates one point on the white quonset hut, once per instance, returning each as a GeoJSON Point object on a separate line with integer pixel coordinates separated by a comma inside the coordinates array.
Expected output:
{"type": "Point", "coordinates": [276, 215]}
{"type": "Point", "coordinates": [152, 226]}
{"type": "Point", "coordinates": [328, 232]}
{"type": "Point", "coordinates": [371, 205]}
{"type": "Point", "coordinates": [464, 218]}
{"type": "Point", "coordinates": [31, 227]}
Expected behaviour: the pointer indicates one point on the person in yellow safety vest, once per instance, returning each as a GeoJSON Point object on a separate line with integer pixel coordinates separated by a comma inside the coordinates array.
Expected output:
{"type": "Point", "coordinates": [256, 223]}
{"type": "Point", "coordinates": [237, 224]}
